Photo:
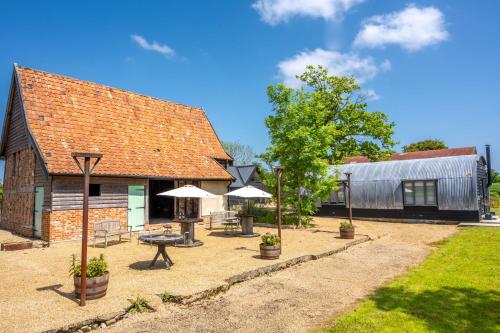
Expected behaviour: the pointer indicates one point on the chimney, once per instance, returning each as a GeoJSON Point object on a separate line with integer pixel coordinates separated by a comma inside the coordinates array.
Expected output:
{"type": "Point", "coordinates": [488, 163]}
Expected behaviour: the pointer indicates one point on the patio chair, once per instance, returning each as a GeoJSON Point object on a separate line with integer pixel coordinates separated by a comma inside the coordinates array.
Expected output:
{"type": "Point", "coordinates": [231, 222]}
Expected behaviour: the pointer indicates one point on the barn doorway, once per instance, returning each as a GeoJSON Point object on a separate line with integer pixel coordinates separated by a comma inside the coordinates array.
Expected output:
{"type": "Point", "coordinates": [161, 207]}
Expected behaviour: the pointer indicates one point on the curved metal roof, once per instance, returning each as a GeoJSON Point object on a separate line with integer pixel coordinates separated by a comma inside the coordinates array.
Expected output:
{"type": "Point", "coordinates": [378, 185]}
{"type": "Point", "coordinates": [430, 168]}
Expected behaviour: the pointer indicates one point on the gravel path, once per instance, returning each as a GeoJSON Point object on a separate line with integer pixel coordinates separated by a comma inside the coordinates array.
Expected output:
{"type": "Point", "coordinates": [303, 297]}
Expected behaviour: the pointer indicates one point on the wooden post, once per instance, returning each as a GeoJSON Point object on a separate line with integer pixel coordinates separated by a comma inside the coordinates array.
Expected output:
{"type": "Point", "coordinates": [348, 174]}
{"type": "Point", "coordinates": [87, 170]}
{"type": "Point", "coordinates": [85, 229]}
{"type": "Point", "coordinates": [278, 170]}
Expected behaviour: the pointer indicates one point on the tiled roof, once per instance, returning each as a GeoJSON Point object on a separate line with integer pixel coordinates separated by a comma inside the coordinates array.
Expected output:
{"type": "Point", "coordinates": [138, 135]}
{"type": "Point", "coordinates": [419, 155]}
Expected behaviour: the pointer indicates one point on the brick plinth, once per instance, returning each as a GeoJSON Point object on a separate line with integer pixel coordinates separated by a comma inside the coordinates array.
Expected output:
{"type": "Point", "coordinates": [18, 197]}
{"type": "Point", "coordinates": [67, 224]}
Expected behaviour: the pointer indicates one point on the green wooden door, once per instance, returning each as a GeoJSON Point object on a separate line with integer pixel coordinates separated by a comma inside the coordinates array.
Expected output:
{"type": "Point", "coordinates": [136, 207]}
{"type": "Point", "coordinates": [37, 225]}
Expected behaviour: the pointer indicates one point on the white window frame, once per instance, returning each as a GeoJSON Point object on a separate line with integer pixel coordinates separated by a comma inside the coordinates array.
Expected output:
{"type": "Point", "coordinates": [426, 204]}
{"type": "Point", "coordinates": [342, 188]}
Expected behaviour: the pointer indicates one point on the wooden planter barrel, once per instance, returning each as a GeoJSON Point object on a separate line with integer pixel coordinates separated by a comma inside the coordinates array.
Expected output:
{"type": "Point", "coordinates": [96, 286]}
{"type": "Point", "coordinates": [347, 233]}
{"type": "Point", "coordinates": [270, 252]}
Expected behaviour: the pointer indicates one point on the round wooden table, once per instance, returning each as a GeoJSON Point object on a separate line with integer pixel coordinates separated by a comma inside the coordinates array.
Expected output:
{"type": "Point", "coordinates": [187, 231]}
{"type": "Point", "coordinates": [161, 241]}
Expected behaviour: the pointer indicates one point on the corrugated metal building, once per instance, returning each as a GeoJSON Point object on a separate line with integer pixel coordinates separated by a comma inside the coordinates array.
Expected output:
{"type": "Point", "coordinates": [443, 188]}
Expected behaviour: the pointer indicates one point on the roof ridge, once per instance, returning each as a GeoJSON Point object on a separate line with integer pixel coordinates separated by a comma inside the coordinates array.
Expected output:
{"type": "Point", "coordinates": [110, 87]}
{"type": "Point", "coordinates": [442, 149]}
{"type": "Point", "coordinates": [409, 160]}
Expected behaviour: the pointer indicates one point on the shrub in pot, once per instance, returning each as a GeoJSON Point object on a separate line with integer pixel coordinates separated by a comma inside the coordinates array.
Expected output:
{"type": "Point", "coordinates": [346, 230]}
{"type": "Point", "coordinates": [270, 246]}
{"type": "Point", "coordinates": [97, 277]}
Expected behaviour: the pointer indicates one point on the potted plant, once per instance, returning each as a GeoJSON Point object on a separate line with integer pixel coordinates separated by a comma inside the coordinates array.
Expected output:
{"type": "Point", "coordinates": [346, 230]}
{"type": "Point", "coordinates": [270, 246]}
{"type": "Point", "coordinates": [97, 276]}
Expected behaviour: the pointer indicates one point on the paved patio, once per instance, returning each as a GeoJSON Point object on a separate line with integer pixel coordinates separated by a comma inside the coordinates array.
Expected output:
{"type": "Point", "coordinates": [36, 291]}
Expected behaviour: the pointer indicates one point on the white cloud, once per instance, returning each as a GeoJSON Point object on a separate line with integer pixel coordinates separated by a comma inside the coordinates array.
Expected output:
{"type": "Point", "coordinates": [277, 11]}
{"type": "Point", "coordinates": [371, 95]}
{"type": "Point", "coordinates": [386, 65]}
{"type": "Point", "coordinates": [154, 46]}
{"type": "Point", "coordinates": [340, 64]}
{"type": "Point", "coordinates": [412, 28]}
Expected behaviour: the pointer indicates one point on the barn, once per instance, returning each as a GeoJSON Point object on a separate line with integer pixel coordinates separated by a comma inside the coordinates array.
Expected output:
{"type": "Point", "coordinates": [442, 185]}
{"type": "Point", "coordinates": [149, 146]}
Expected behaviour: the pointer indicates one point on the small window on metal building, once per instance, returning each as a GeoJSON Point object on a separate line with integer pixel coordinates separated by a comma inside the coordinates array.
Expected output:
{"type": "Point", "coordinates": [94, 190]}
{"type": "Point", "coordinates": [420, 192]}
{"type": "Point", "coordinates": [337, 197]}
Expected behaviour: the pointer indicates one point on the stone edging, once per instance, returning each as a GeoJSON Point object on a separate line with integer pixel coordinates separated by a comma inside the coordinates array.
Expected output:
{"type": "Point", "coordinates": [111, 318]}
{"type": "Point", "coordinates": [263, 271]}
{"type": "Point", "coordinates": [271, 225]}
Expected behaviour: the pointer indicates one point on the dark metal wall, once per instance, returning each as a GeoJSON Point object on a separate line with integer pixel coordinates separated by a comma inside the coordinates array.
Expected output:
{"type": "Point", "coordinates": [482, 186]}
{"type": "Point", "coordinates": [408, 213]}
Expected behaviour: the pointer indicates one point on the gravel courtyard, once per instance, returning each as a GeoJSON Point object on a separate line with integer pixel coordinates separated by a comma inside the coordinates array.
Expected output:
{"type": "Point", "coordinates": [303, 297]}
{"type": "Point", "coordinates": [36, 291]}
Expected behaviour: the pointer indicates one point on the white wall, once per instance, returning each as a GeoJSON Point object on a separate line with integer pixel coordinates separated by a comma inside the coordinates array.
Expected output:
{"type": "Point", "coordinates": [219, 203]}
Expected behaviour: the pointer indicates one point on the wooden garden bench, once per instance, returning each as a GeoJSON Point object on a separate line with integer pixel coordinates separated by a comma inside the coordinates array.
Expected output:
{"type": "Point", "coordinates": [105, 229]}
{"type": "Point", "coordinates": [227, 218]}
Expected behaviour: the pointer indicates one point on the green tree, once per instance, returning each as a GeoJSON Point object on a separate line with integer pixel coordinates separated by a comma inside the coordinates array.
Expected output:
{"type": "Point", "coordinates": [242, 154]}
{"type": "Point", "coordinates": [495, 176]}
{"type": "Point", "coordinates": [315, 126]}
{"type": "Point", "coordinates": [429, 144]}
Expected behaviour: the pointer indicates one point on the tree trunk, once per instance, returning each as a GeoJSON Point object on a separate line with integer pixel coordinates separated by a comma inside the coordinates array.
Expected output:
{"type": "Point", "coordinates": [299, 198]}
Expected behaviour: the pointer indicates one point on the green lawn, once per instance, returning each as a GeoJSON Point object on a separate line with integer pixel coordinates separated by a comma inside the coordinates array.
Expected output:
{"type": "Point", "coordinates": [495, 187]}
{"type": "Point", "coordinates": [456, 289]}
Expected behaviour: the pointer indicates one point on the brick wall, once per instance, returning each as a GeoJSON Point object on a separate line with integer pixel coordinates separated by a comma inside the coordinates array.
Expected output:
{"type": "Point", "coordinates": [19, 197]}
{"type": "Point", "coordinates": [67, 224]}
{"type": "Point", "coordinates": [46, 225]}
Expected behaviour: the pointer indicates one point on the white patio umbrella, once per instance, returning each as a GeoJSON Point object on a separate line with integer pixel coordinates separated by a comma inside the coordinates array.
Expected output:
{"type": "Point", "coordinates": [248, 192]}
{"type": "Point", "coordinates": [188, 191]}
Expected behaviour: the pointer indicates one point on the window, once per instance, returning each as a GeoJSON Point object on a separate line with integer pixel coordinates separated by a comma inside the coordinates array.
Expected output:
{"type": "Point", "coordinates": [420, 193]}
{"type": "Point", "coordinates": [94, 190]}
{"type": "Point", "coordinates": [337, 197]}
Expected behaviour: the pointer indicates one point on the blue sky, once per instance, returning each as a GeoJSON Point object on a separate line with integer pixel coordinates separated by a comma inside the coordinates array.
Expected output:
{"type": "Point", "coordinates": [432, 66]}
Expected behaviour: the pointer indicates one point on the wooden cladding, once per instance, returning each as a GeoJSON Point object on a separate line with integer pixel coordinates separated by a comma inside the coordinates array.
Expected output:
{"type": "Point", "coordinates": [67, 193]}
{"type": "Point", "coordinates": [17, 138]}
